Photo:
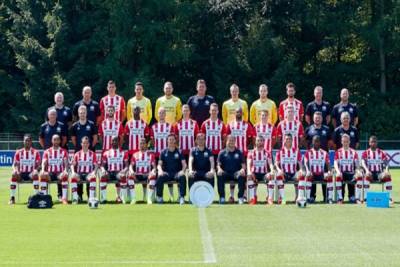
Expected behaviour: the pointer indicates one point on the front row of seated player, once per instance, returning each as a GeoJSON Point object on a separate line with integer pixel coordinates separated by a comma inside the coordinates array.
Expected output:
{"type": "Point", "coordinates": [231, 166]}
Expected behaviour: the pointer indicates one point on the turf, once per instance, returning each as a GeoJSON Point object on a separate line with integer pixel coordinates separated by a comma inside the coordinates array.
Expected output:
{"type": "Point", "coordinates": [169, 235]}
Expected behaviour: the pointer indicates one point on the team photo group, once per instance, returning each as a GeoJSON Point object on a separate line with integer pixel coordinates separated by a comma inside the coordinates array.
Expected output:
{"type": "Point", "coordinates": [129, 144]}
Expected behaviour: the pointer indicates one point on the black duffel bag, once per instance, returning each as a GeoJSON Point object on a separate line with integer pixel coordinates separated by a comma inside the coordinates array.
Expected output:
{"type": "Point", "coordinates": [40, 201]}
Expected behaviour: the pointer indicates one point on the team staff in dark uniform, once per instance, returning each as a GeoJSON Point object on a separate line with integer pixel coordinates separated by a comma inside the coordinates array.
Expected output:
{"type": "Point", "coordinates": [318, 105]}
{"type": "Point", "coordinates": [318, 129]}
{"type": "Point", "coordinates": [92, 107]}
{"type": "Point", "coordinates": [231, 167]}
{"type": "Point", "coordinates": [64, 113]}
{"type": "Point", "coordinates": [171, 167]}
{"type": "Point", "coordinates": [344, 106]}
{"type": "Point", "coordinates": [83, 127]}
{"type": "Point", "coordinates": [200, 104]}
{"type": "Point", "coordinates": [201, 162]}
{"type": "Point", "coordinates": [346, 128]}
{"type": "Point", "coordinates": [50, 128]}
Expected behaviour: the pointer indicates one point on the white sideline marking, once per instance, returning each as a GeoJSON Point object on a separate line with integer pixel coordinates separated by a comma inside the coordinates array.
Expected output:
{"type": "Point", "coordinates": [206, 238]}
{"type": "Point", "coordinates": [100, 262]}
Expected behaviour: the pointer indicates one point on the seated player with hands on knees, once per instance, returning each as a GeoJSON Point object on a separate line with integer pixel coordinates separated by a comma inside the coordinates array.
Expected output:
{"type": "Point", "coordinates": [25, 167]}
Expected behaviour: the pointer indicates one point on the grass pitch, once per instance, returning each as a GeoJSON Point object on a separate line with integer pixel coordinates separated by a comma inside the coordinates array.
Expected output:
{"type": "Point", "coordinates": [171, 235]}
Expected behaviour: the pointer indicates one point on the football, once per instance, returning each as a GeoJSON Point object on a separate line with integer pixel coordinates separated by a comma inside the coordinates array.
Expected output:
{"type": "Point", "coordinates": [93, 203]}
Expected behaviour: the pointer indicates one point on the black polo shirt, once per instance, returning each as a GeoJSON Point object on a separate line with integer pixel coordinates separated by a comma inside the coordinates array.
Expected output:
{"type": "Point", "coordinates": [64, 114]}
{"type": "Point", "coordinates": [230, 161]}
{"type": "Point", "coordinates": [81, 130]}
{"type": "Point", "coordinates": [93, 109]}
{"type": "Point", "coordinates": [201, 159]}
{"type": "Point", "coordinates": [171, 161]}
{"type": "Point", "coordinates": [338, 109]}
{"type": "Point", "coordinates": [47, 131]}
{"type": "Point", "coordinates": [323, 132]}
{"type": "Point", "coordinates": [324, 108]}
{"type": "Point", "coordinates": [200, 107]}
{"type": "Point", "coordinates": [352, 132]}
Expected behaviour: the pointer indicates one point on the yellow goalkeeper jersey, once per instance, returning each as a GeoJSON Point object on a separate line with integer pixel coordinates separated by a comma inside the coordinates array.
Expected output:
{"type": "Point", "coordinates": [172, 106]}
{"type": "Point", "coordinates": [229, 107]}
{"type": "Point", "coordinates": [258, 106]}
{"type": "Point", "coordinates": [146, 112]}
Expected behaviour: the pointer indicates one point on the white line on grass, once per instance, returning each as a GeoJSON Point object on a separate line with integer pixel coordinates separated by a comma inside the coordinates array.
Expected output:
{"type": "Point", "coordinates": [206, 238]}
{"type": "Point", "coordinates": [172, 262]}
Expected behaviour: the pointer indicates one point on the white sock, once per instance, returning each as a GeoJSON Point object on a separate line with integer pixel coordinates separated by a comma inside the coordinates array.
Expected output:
{"type": "Point", "coordinates": [92, 189]}
{"type": "Point", "coordinates": [43, 187]}
{"type": "Point", "coordinates": [103, 190]}
{"type": "Point", "coordinates": [388, 188]}
{"type": "Point", "coordinates": [13, 187]}
{"type": "Point", "coordinates": [308, 188]}
{"type": "Point", "coordinates": [150, 195]}
{"type": "Point", "coordinates": [74, 189]}
{"type": "Point", "coordinates": [329, 188]}
{"type": "Point", "coordinates": [124, 190]}
{"type": "Point", "coordinates": [339, 190]}
{"type": "Point", "coordinates": [301, 188]}
{"type": "Point", "coordinates": [271, 188]}
{"type": "Point", "coordinates": [64, 186]}
{"type": "Point", "coordinates": [131, 188]}
{"type": "Point", "coordinates": [366, 188]}
{"type": "Point", "coordinates": [358, 189]}
{"type": "Point", "coordinates": [251, 187]}
{"type": "Point", "coordinates": [281, 188]}
{"type": "Point", "coordinates": [35, 184]}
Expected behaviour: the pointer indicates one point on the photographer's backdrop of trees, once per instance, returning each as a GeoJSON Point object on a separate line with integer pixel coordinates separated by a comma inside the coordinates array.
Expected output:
{"type": "Point", "coordinates": [62, 45]}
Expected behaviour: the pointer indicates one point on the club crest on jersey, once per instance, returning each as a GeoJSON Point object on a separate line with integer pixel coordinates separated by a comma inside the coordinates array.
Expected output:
{"type": "Point", "coordinates": [176, 155]}
{"type": "Point", "coordinates": [352, 134]}
{"type": "Point", "coordinates": [206, 154]}
{"type": "Point", "coordinates": [340, 109]}
{"type": "Point", "coordinates": [87, 127]}
{"type": "Point", "coordinates": [47, 130]}
{"type": "Point", "coordinates": [323, 132]}
{"type": "Point", "coordinates": [351, 110]}
{"type": "Point", "coordinates": [65, 113]}
{"type": "Point", "coordinates": [324, 108]}
{"type": "Point", "coordinates": [91, 108]}
{"type": "Point", "coordinates": [236, 156]}
{"type": "Point", "coordinates": [58, 129]}
{"type": "Point", "coordinates": [207, 102]}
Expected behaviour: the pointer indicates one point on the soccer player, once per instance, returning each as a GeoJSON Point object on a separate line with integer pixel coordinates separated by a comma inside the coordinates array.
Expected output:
{"type": "Point", "coordinates": [376, 166]}
{"type": "Point", "coordinates": [114, 168]}
{"type": "Point", "coordinates": [64, 113]}
{"type": "Point", "coordinates": [344, 106]}
{"type": "Point", "coordinates": [186, 130]}
{"type": "Point", "coordinates": [142, 169]}
{"type": "Point", "coordinates": [231, 167]}
{"type": "Point", "coordinates": [242, 131]}
{"type": "Point", "coordinates": [109, 128]}
{"type": "Point", "coordinates": [84, 164]}
{"type": "Point", "coordinates": [291, 101]}
{"type": "Point", "coordinates": [318, 105]}
{"type": "Point", "coordinates": [316, 162]}
{"type": "Point", "coordinates": [146, 111]}
{"type": "Point", "coordinates": [346, 163]}
{"type": "Point", "coordinates": [259, 166]}
{"type": "Point", "coordinates": [50, 128]}
{"type": "Point", "coordinates": [92, 107]}
{"type": "Point", "coordinates": [266, 130]}
{"type": "Point", "coordinates": [83, 127]}
{"type": "Point", "coordinates": [263, 104]}
{"type": "Point", "coordinates": [112, 100]}
{"type": "Point", "coordinates": [291, 126]}
{"type": "Point", "coordinates": [346, 128]}
{"type": "Point", "coordinates": [229, 107]}
{"type": "Point", "coordinates": [200, 104]}
{"type": "Point", "coordinates": [25, 167]}
{"type": "Point", "coordinates": [171, 104]}
{"type": "Point", "coordinates": [318, 129]}
{"type": "Point", "coordinates": [171, 167]}
{"type": "Point", "coordinates": [201, 162]}
{"type": "Point", "coordinates": [54, 168]}
{"type": "Point", "coordinates": [288, 166]}
{"type": "Point", "coordinates": [215, 131]}
{"type": "Point", "coordinates": [136, 129]}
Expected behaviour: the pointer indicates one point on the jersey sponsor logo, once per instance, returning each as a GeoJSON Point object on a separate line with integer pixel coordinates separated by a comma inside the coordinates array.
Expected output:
{"type": "Point", "coordinates": [55, 161]}
{"type": "Point", "coordinates": [115, 160]}
{"type": "Point", "coordinates": [186, 132]}
{"type": "Point", "coordinates": [110, 132]}
{"type": "Point", "coordinates": [288, 160]}
{"type": "Point", "coordinates": [258, 163]}
{"type": "Point", "coordinates": [135, 131]}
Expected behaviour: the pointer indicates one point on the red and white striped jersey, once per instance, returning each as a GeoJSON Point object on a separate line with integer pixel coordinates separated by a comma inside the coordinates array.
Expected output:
{"type": "Point", "coordinates": [135, 130]}
{"type": "Point", "coordinates": [27, 160]}
{"type": "Point", "coordinates": [374, 159]}
{"type": "Point", "coordinates": [288, 159]}
{"type": "Point", "coordinates": [259, 161]}
{"type": "Point", "coordinates": [346, 159]}
{"type": "Point", "coordinates": [290, 127]}
{"type": "Point", "coordinates": [143, 162]}
{"type": "Point", "coordinates": [84, 162]}
{"type": "Point", "coordinates": [115, 159]}
{"type": "Point", "coordinates": [108, 129]}
{"type": "Point", "coordinates": [55, 159]}
{"type": "Point", "coordinates": [214, 131]}
{"type": "Point", "coordinates": [160, 132]}
{"type": "Point", "coordinates": [187, 131]}
{"type": "Point", "coordinates": [242, 131]}
{"type": "Point", "coordinates": [117, 102]}
{"type": "Point", "coordinates": [268, 132]}
{"type": "Point", "coordinates": [297, 105]}
{"type": "Point", "coordinates": [316, 160]}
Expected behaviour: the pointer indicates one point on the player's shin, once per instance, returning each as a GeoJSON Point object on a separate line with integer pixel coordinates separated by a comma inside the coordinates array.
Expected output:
{"type": "Point", "coordinates": [13, 186]}
{"type": "Point", "coordinates": [131, 188]}
{"type": "Point", "coordinates": [103, 189]}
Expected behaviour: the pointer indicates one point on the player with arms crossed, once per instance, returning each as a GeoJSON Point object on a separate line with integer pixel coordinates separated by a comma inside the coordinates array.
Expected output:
{"type": "Point", "coordinates": [376, 166]}
{"type": "Point", "coordinates": [84, 165]}
{"type": "Point", "coordinates": [114, 168]}
{"type": "Point", "coordinates": [291, 126]}
{"type": "Point", "coordinates": [266, 130]}
{"type": "Point", "coordinates": [259, 167]}
{"type": "Point", "coordinates": [25, 167]}
{"type": "Point", "coordinates": [109, 128]}
{"type": "Point", "coordinates": [135, 130]}
{"type": "Point", "coordinates": [142, 169]}
{"type": "Point", "coordinates": [288, 166]}
{"type": "Point", "coordinates": [54, 168]}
